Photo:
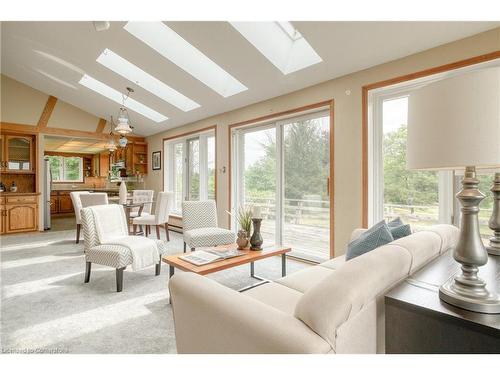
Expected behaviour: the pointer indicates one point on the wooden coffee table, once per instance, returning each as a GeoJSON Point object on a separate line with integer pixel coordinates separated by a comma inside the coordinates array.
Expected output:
{"type": "Point", "coordinates": [251, 256]}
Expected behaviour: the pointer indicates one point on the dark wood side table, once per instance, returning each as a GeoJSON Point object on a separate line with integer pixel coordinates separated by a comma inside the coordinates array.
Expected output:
{"type": "Point", "coordinates": [418, 322]}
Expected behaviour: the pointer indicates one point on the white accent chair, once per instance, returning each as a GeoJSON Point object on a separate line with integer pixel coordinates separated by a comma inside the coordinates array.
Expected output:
{"type": "Point", "coordinates": [334, 307]}
{"type": "Point", "coordinates": [199, 225]}
{"type": "Point", "coordinates": [163, 206]}
{"type": "Point", "coordinates": [140, 196]}
{"type": "Point", "coordinates": [111, 255]}
{"type": "Point", "coordinates": [77, 206]}
{"type": "Point", "coordinates": [93, 199]}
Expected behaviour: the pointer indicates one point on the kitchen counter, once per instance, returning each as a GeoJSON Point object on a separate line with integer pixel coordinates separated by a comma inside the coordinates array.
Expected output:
{"type": "Point", "coordinates": [99, 190]}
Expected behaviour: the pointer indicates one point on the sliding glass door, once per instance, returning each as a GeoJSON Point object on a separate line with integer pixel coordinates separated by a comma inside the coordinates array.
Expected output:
{"type": "Point", "coordinates": [282, 170]}
{"type": "Point", "coordinates": [190, 171]}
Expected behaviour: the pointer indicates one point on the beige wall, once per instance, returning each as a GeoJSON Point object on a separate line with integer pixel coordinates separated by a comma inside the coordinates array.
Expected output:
{"type": "Point", "coordinates": [67, 116]}
{"type": "Point", "coordinates": [20, 104]}
{"type": "Point", "coordinates": [348, 211]}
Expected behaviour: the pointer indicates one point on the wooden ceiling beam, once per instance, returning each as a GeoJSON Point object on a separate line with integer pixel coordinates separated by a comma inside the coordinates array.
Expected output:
{"type": "Point", "coordinates": [47, 112]}
{"type": "Point", "coordinates": [100, 126]}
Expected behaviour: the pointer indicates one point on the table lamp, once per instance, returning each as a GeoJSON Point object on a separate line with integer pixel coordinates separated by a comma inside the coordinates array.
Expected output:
{"type": "Point", "coordinates": [454, 123]}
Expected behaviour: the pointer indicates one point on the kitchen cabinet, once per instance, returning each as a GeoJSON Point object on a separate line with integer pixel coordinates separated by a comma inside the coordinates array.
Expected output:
{"type": "Point", "coordinates": [19, 213]}
{"type": "Point", "coordinates": [104, 164]}
{"type": "Point", "coordinates": [18, 153]}
{"type": "Point", "coordinates": [60, 203]}
{"type": "Point", "coordinates": [65, 204]}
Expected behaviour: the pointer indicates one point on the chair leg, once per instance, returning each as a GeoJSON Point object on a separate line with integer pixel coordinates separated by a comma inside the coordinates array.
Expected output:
{"type": "Point", "coordinates": [157, 231]}
{"type": "Point", "coordinates": [184, 247]}
{"type": "Point", "coordinates": [134, 229]}
{"type": "Point", "coordinates": [119, 279]}
{"type": "Point", "coordinates": [166, 230]}
{"type": "Point", "coordinates": [158, 268]}
{"type": "Point", "coordinates": [88, 266]}
{"type": "Point", "coordinates": [78, 227]}
{"type": "Point", "coordinates": [147, 229]}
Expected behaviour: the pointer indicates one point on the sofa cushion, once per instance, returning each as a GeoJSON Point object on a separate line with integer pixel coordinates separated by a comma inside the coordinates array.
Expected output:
{"type": "Point", "coordinates": [304, 279]}
{"type": "Point", "coordinates": [376, 236]}
{"type": "Point", "coordinates": [422, 246]}
{"type": "Point", "coordinates": [448, 235]}
{"type": "Point", "coordinates": [340, 296]}
{"type": "Point", "coordinates": [394, 223]}
{"type": "Point", "coordinates": [334, 263]}
{"type": "Point", "coordinates": [277, 296]}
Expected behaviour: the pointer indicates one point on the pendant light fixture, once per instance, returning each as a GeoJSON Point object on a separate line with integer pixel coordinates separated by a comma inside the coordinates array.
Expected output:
{"type": "Point", "coordinates": [123, 126]}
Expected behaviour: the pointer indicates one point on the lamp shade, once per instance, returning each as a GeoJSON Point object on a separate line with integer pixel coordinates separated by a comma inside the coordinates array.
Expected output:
{"type": "Point", "coordinates": [455, 122]}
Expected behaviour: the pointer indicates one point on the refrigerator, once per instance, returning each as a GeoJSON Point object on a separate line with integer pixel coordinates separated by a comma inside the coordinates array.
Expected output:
{"type": "Point", "coordinates": [47, 187]}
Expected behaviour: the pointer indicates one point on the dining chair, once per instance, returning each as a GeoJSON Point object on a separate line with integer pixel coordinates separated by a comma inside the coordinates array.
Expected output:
{"type": "Point", "coordinates": [199, 225]}
{"type": "Point", "coordinates": [163, 206]}
{"type": "Point", "coordinates": [93, 199]}
{"type": "Point", "coordinates": [77, 206]}
{"type": "Point", "coordinates": [140, 196]}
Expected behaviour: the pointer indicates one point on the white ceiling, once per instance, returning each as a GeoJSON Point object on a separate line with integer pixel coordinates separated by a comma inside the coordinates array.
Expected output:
{"type": "Point", "coordinates": [69, 49]}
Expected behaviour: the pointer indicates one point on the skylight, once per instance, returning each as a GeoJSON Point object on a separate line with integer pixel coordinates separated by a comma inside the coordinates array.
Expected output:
{"type": "Point", "coordinates": [135, 74]}
{"type": "Point", "coordinates": [280, 43]}
{"type": "Point", "coordinates": [116, 96]}
{"type": "Point", "coordinates": [172, 46]}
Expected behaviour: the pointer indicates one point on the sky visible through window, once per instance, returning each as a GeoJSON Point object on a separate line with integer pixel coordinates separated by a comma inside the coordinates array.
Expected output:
{"type": "Point", "coordinates": [395, 114]}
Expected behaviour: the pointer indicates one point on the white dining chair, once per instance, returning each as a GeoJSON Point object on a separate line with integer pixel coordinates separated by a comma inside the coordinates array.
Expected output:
{"type": "Point", "coordinates": [77, 206]}
{"type": "Point", "coordinates": [163, 206]}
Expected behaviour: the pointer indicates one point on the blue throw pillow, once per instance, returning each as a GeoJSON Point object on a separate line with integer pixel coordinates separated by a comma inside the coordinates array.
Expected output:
{"type": "Point", "coordinates": [401, 231]}
{"type": "Point", "coordinates": [376, 236]}
{"type": "Point", "coordinates": [398, 229]}
{"type": "Point", "coordinates": [397, 222]}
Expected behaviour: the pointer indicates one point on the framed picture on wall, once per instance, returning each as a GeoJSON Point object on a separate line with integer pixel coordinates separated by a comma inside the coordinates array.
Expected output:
{"type": "Point", "coordinates": [156, 160]}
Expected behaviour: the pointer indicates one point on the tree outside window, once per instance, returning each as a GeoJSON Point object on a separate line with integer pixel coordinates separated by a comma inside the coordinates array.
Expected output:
{"type": "Point", "coordinates": [66, 169]}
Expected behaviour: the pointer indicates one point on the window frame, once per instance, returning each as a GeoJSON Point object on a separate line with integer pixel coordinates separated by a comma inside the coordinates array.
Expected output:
{"type": "Point", "coordinates": [62, 169]}
{"type": "Point", "coordinates": [238, 168]}
{"type": "Point", "coordinates": [169, 161]}
{"type": "Point", "coordinates": [376, 100]}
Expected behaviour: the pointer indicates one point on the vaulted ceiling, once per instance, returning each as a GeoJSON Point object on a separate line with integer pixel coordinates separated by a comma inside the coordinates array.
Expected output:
{"type": "Point", "coordinates": [54, 56]}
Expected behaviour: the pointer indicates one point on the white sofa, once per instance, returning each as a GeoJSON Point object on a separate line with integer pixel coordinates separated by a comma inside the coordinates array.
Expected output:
{"type": "Point", "coordinates": [334, 307]}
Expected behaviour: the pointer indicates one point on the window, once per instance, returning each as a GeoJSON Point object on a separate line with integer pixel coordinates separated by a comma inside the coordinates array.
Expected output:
{"type": "Point", "coordinates": [190, 172]}
{"type": "Point", "coordinates": [282, 171]}
{"type": "Point", "coordinates": [66, 168]}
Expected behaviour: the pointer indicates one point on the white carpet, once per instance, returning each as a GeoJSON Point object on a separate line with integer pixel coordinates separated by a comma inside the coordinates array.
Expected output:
{"type": "Point", "coordinates": [45, 305]}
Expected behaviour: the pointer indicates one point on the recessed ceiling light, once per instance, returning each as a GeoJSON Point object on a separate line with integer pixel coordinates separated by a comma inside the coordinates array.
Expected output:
{"type": "Point", "coordinates": [117, 97]}
{"type": "Point", "coordinates": [172, 46]}
{"type": "Point", "coordinates": [280, 43]}
{"type": "Point", "coordinates": [133, 73]}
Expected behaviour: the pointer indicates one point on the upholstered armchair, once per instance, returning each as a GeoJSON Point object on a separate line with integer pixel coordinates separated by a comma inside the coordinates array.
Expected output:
{"type": "Point", "coordinates": [111, 255]}
{"type": "Point", "coordinates": [77, 206]}
{"type": "Point", "coordinates": [163, 206]}
{"type": "Point", "coordinates": [200, 228]}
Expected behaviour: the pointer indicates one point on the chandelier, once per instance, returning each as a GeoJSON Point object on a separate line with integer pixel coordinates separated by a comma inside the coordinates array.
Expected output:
{"type": "Point", "coordinates": [123, 126]}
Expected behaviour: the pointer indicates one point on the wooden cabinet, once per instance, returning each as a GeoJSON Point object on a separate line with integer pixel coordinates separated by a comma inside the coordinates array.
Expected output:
{"type": "Point", "coordinates": [2, 215]}
{"type": "Point", "coordinates": [60, 203]}
{"type": "Point", "coordinates": [18, 153]}
{"type": "Point", "coordinates": [65, 204]}
{"type": "Point", "coordinates": [19, 213]}
{"type": "Point", "coordinates": [104, 164]}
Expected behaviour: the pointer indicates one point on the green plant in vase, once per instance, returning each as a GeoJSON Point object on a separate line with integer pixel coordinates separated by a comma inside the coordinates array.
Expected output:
{"type": "Point", "coordinates": [244, 217]}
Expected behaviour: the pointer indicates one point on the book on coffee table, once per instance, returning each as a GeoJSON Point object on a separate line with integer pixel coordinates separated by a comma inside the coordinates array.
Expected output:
{"type": "Point", "coordinates": [210, 255]}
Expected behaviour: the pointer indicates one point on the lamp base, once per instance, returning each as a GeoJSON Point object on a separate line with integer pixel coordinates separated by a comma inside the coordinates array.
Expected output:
{"type": "Point", "coordinates": [469, 295]}
{"type": "Point", "coordinates": [494, 248]}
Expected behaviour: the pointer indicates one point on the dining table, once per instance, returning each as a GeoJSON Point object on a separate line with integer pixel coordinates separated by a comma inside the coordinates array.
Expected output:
{"type": "Point", "coordinates": [128, 207]}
